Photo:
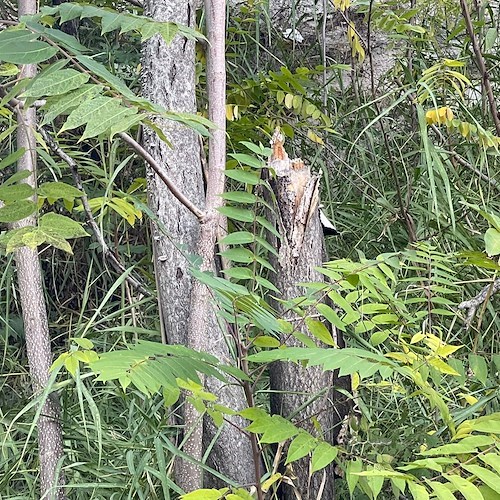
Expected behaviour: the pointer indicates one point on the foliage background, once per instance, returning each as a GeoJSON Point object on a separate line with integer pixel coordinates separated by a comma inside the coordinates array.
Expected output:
{"type": "Point", "coordinates": [387, 172]}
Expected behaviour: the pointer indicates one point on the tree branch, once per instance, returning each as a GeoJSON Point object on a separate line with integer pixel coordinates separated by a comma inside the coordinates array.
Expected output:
{"type": "Point", "coordinates": [200, 215]}
{"type": "Point", "coordinates": [481, 65]}
{"type": "Point", "coordinates": [482, 297]}
{"type": "Point", "coordinates": [108, 253]}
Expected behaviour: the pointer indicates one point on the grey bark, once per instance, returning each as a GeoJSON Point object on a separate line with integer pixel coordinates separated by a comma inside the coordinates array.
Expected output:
{"type": "Point", "coordinates": [301, 393]}
{"type": "Point", "coordinates": [169, 79]}
{"type": "Point", "coordinates": [36, 328]}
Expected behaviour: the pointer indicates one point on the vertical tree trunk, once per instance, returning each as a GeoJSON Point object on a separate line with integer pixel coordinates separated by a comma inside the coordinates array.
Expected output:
{"type": "Point", "coordinates": [168, 78]}
{"type": "Point", "coordinates": [188, 316]}
{"type": "Point", "coordinates": [33, 306]}
{"type": "Point", "coordinates": [301, 393]}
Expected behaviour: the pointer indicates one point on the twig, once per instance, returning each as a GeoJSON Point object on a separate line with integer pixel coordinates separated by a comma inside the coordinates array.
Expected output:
{"type": "Point", "coordinates": [482, 65]}
{"type": "Point", "coordinates": [160, 172]}
{"type": "Point", "coordinates": [482, 297]}
{"type": "Point", "coordinates": [108, 253]}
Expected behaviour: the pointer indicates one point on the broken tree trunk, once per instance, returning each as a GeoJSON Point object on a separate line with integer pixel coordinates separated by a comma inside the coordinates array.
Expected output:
{"type": "Point", "coordinates": [306, 395]}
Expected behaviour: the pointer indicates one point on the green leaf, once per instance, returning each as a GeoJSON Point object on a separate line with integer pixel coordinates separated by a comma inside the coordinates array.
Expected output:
{"type": "Point", "coordinates": [165, 29]}
{"type": "Point", "coordinates": [301, 445]}
{"type": "Point", "coordinates": [239, 255]}
{"type": "Point", "coordinates": [486, 476]}
{"type": "Point", "coordinates": [17, 210]}
{"type": "Point", "coordinates": [492, 242]}
{"type": "Point", "coordinates": [265, 341]}
{"type": "Point", "coordinates": [467, 445]}
{"type": "Point", "coordinates": [60, 82]}
{"type": "Point", "coordinates": [466, 488]}
{"type": "Point", "coordinates": [490, 38]}
{"type": "Point", "coordinates": [441, 491]}
{"type": "Point", "coordinates": [240, 214]}
{"type": "Point", "coordinates": [493, 460]}
{"type": "Point", "coordinates": [62, 226]}
{"type": "Point", "coordinates": [243, 176]}
{"type": "Point", "coordinates": [240, 273]}
{"type": "Point", "coordinates": [323, 455]}
{"type": "Point", "coordinates": [379, 337]}
{"type": "Point", "coordinates": [273, 429]}
{"type": "Point", "coordinates": [331, 316]}
{"type": "Point", "coordinates": [239, 197]}
{"type": "Point", "coordinates": [205, 494]}
{"type": "Point", "coordinates": [58, 190]}
{"type": "Point", "coordinates": [125, 124]}
{"type": "Point", "coordinates": [83, 342]}
{"type": "Point", "coordinates": [266, 284]}
{"type": "Point", "coordinates": [12, 158]}
{"type": "Point", "coordinates": [15, 192]}
{"type": "Point", "coordinates": [353, 466]}
{"type": "Point", "coordinates": [418, 491]}
{"type": "Point", "coordinates": [479, 366]}
{"type": "Point", "coordinates": [238, 238]}
{"type": "Point", "coordinates": [320, 331]}
{"type": "Point", "coordinates": [101, 71]}
{"type": "Point", "coordinates": [23, 48]}
{"type": "Point", "coordinates": [61, 105]}
{"type": "Point", "coordinates": [245, 159]}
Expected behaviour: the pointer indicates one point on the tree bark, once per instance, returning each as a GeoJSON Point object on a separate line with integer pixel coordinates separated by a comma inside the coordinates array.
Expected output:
{"type": "Point", "coordinates": [188, 315]}
{"type": "Point", "coordinates": [303, 394]}
{"type": "Point", "coordinates": [36, 327]}
{"type": "Point", "coordinates": [168, 78]}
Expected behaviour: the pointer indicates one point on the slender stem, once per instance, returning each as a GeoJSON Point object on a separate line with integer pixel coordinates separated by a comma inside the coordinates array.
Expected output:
{"type": "Point", "coordinates": [481, 65]}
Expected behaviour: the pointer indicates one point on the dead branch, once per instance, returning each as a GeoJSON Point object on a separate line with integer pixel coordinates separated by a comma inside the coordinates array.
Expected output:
{"type": "Point", "coordinates": [482, 297]}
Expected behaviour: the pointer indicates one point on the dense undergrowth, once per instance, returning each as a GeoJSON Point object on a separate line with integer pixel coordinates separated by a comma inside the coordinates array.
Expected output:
{"type": "Point", "coordinates": [409, 166]}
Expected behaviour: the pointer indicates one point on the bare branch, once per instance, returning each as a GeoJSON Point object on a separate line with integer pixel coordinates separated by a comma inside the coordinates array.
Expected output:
{"type": "Point", "coordinates": [482, 297]}
{"type": "Point", "coordinates": [163, 176]}
{"type": "Point", "coordinates": [108, 253]}
{"type": "Point", "coordinates": [481, 65]}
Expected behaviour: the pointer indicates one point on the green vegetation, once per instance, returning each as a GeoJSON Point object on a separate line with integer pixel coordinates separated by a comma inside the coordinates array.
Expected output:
{"type": "Point", "coordinates": [410, 167]}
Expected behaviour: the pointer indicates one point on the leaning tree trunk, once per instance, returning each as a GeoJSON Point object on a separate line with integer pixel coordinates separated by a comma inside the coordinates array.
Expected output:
{"type": "Point", "coordinates": [303, 394]}
{"type": "Point", "coordinates": [36, 327]}
{"type": "Point", "coordinates": [169, 79]}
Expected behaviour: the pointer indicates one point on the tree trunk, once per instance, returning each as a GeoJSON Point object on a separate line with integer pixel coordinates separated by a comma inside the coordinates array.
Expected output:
{"type": "Point", "coordinates": [36, 328]}
{"type": "Point", "coordinates": [304, 394]}
{"type": "Point", "coordinates": [169, 79]}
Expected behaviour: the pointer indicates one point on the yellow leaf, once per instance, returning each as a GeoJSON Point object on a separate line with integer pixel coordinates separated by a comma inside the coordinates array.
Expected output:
{"type": "Point", "coordinates": [464, 128]}
{"type": "Point", "coordinates": [417, 338]}
{"type": "Point", "coordinates": [445, 350]}
{"type": "Point", "coordinates": [342, 5]}
{"type": "Point", "coordinates": [443, 367]}
{"type": "Point", "coordinates": [314, 137]}
{"type": "Point", "coordinates": [469, 398]}
{"type": "Point", "coordinates": [355, 380]}
{"type": "Point", "coordinates": [289, 101]}
{"type": "Point", "coordinates": [431, 117]}
{"type": "Point", "coordinates": [269, 482]}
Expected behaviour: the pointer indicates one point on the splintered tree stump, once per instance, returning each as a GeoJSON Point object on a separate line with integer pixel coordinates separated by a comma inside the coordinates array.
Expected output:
{"type": "Point", "coordinates": [304, 394]}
